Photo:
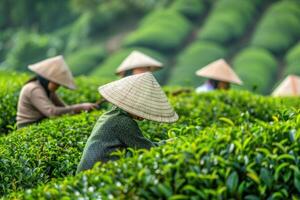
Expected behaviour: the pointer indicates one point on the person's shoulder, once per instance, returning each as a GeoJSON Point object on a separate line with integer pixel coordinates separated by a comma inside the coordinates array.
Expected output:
{"type": "Point", "coordinates": [120, 120]}
{"type": "Point", "coordinates": [32, 86]}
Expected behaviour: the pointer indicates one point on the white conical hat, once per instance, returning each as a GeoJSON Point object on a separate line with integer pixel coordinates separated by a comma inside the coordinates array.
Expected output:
{"type": "Point", "coordinates": [55, 69]}
{"type": "Point", "coordinates": [136, 60]}
{"type": "Point", "coordinates": [290, 86]}
{"type": "Point", "coordinates": [219, 70]}
{"type": "Point", "coordinates": [140, 95]}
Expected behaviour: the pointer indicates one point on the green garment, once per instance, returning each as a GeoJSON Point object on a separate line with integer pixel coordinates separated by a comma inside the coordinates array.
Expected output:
{"type": "Point", "coordinates": [114, 130]}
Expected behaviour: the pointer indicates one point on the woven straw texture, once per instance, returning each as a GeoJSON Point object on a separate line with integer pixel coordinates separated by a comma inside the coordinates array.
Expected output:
{"type": "Point", "coordinates": [140, 95]}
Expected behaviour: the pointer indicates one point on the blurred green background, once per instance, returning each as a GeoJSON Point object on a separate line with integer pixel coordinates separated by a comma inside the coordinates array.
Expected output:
{"type": "Point", "coordinates": [259, 38]}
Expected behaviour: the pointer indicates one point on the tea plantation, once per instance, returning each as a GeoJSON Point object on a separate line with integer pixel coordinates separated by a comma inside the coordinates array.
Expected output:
{"type": "Point", "coordinates": [228, 145]}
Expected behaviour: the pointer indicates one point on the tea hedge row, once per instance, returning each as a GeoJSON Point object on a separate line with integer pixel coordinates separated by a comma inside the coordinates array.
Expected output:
{"type": "Point", "coordinates": [252, 61]}
{"type": "Point", "coordinates": [11, 84]}
{"type": "Point", "coordinates": [52, 149]}
{"type": "Point", "coordinates": [85, 60]}
{"type": "Point", "coordinates": [193, 58]}
{"type": "Point", "coordinates": [292, 61]}
{"type": "Point", "coordinates": [250, 161]}
{"type": "Point", "coordinates": [161, 30]}
{"type": "Point", "coordinates": [229, 20]}
{"type": "Point", "coordinates": [279, 28]}
{"type": "Point", "coordinates": [192, 9]}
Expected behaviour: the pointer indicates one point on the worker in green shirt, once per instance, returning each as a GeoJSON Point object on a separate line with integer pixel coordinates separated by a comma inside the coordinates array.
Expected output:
{"type": "Point", "coordinates": [135, 97]}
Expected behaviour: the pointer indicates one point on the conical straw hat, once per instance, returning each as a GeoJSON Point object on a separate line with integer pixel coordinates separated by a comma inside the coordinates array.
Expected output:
{"type": "Point", "coordinates": [136, 60]}
{"type": "Point", "coordinates": [140, 95]}
{"type": "Point", "coordinates": [219, 70]}
{"type": "Point", "coordinates": [290, 86]}
{"type": "Point", "coordinates": [55, 69]}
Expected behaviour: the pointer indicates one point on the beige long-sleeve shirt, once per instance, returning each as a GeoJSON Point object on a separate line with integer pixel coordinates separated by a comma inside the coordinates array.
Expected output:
{"type": "Point", "coordinates": [34, 104]}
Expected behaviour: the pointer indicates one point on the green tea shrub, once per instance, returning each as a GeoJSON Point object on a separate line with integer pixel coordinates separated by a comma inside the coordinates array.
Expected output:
{"type": "Point", "coordinates": [279, 28]}
{"type": "Point", "coordinates": [108, 67]}
{"type": "Point", "coordinates": [228, 20]}
{"type": "Point", "coordinates": [292, 60]}
{"type": "Point", "coordinates": [192, 9]}
{"type": "Point", "coordinates": [250, 161]}
{"type": "Point", "coordinates": [10, 84]}
{"type": "Point", "coordinates": [86, 59]}
{"type": "Point", "coordinates": [52, 149]}
{"type": "Point", "coordinates": [36, 154]}
{"type": "Point", "coordinates": [256, 67]}
{"type": "Point", "coordinates": [193, 58]}
{"type": "Point", "coordinates": [29, 48]}
{"type": "Point", "coordinates": [162, 30]}
{"type": "Point", "coordinates": [37, 15]}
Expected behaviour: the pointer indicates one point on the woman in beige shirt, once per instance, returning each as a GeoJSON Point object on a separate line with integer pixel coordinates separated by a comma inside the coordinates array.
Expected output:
{"type": "Point", "coordinates": [38, 99]}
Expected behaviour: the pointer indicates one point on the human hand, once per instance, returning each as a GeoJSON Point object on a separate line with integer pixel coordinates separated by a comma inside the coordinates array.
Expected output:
{"type": "Point", "coordinates": [88, 106]}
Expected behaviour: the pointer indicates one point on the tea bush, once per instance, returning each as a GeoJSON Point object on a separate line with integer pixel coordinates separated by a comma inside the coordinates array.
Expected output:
{"type": "Point", "coordinates": [52, 149]}
{"type": "Point", "coordinates": [193, 58]}
{"type": "Point", "coordinates": [256, 67]}
{"type": "Point", "coordinates": [279, 28]}
{"type": "Point", "coordinates": [85, 60]}
{"type": "Point", "coordinates": [250, 161]}
{"type": "Point", "coordinates": [192, 9]}
{"type": "Point", "coordinates": [11, 84]}
{"type": "Point", "coordinates": [162, 30]}
{"type": "Point", "coordinates": [292, 61]}
{"type": "Point", "coordinates": [40, 152]}
{"type": "Point", "coordinates": [229, 20]}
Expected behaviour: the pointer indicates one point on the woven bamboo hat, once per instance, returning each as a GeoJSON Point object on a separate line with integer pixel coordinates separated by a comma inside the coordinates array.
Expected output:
{"type": "Point", "coordinates": [290, 86]}
{"type": "Point", "coordinates": [137, 60]}
{"type": "Point", "coordinates": [219, 70]}
{"type": "Point", "coordinates": [140, 95]}
{"type": "Point", "coordinates": [55, 69]}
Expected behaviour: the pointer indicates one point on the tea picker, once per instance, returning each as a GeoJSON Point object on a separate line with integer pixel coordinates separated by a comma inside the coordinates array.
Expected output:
{"type": "Point", "coordinates": [137, 63]}
{"type": "Point", "coordinates": [220, 75]}
{"type": "Point", "coordinates": [38, 99]}
{"type": "Point", "coordinates": [135, 97]}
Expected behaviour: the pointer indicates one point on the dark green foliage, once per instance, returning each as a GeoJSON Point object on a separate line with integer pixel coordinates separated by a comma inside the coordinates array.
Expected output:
{"type": "Point", "coordinates": [38, 153]}
{"type": "Point", "coordinates": [44, 15]}
{"type": "Point", "coordinates": [256, 67]}
{"type": "Point", "coordinates": [250, 149]}
{"type": "Point", "coordinates": [10, 84]}
{"type": "Point", "coordinates": [279, 28]}
{"type": "Point", "coordinates": [28, 48]}
{"type": "Point", "coordinates": [161, 30]}
{"type": "Point", "coordinates": [52, 149]}
{"type": "Point", "coordinates": [192, 9]}
{"type": "Point", "coordinates": [228, 20]}
{"type": "Point", "coordinates": [193, 58]}
{"type": "Point", "coordinates": [292, 61]}
{"type": "Point", "coordinates": [86, 59]}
